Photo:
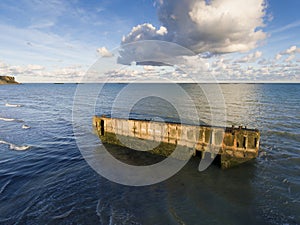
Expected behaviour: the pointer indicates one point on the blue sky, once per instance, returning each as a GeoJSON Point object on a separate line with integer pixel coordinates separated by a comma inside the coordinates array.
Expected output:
{"type": "Point", "coordinates": [48, 41]}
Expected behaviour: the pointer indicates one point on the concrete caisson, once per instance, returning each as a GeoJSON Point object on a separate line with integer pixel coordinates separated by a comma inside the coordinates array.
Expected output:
{"type": "Point", "coordinates": [234, 145]}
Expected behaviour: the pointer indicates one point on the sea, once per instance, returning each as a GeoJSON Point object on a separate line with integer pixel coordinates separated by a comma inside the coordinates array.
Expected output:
{"type": "Point", "coordinates": [45, 178]}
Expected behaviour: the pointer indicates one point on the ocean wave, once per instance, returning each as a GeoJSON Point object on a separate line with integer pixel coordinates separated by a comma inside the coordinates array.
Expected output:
{"type": "Point", "coordinates": [15, 147]}
{"type": "Point", "coordinates": [12, 105]}
{"type": "Point", "coordinates": [285, 134]}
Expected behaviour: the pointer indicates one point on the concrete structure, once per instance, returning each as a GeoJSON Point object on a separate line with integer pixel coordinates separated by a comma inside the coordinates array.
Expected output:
{"type": "Point", "coordinates": [234, 145]}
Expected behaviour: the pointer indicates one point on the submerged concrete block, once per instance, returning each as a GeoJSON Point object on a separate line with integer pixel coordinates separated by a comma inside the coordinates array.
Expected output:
{"type": "Point", "coordinates": [234, 145]}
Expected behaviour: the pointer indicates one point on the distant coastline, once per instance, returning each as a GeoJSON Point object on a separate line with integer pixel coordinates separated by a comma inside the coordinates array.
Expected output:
{"type": "Point", "coordinates": [7, 80]}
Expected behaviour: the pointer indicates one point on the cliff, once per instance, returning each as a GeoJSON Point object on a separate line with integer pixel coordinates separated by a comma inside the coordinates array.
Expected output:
{"type": "Point", "coordinates": [7, 80]}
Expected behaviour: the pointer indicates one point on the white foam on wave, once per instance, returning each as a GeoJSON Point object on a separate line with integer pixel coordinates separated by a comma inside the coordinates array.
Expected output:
{"type": "Point", "coordinates": [24, 126]}
{"type": "Point", "coordinates": [19, 148]}
{"type": "Point", "coordinates": [64, 215]}
{"type": "Point", "coordinates": [12, 105]}
{"type": "Point", "coordinates": [10, 120]}
{"type": "Point", "coordinates": [7, 119]}
{"type": "Point", "coordinates": [15, 147]}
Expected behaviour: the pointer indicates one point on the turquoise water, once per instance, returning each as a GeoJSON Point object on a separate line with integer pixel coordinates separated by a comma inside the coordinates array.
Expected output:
{"type": "Point", "coordinates": [45, 180]}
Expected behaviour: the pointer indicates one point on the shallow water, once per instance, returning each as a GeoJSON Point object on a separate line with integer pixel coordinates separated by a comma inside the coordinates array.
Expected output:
{"type": "Point", "coordinates": [50, 182]}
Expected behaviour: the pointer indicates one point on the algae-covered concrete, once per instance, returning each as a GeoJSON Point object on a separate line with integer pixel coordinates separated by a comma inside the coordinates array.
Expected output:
{"type": "Point", "coordinates": [235, 145]}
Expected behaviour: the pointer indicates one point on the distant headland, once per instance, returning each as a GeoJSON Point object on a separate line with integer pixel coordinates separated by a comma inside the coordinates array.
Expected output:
{"type": "Point", "coordinates": [7, 80]}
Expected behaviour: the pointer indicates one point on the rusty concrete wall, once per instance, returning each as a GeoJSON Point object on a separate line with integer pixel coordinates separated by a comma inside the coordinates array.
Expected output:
{"type": "Point", "coordinates": [235, 144]}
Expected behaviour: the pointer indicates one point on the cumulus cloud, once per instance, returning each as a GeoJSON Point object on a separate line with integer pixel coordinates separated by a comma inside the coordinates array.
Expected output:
{"type": "Point", "coordinates": [292, 50]}
{"type": "Point", "coordinates": [104, 52]}
{"type": "Point", "coordinates": [265, 61]}
{"type": "Point", "coordinates": [217, 26]}
{"type": "Point", "coordinates": [290, 58]}
{"type": "Point", "coordinates": [15, 70]}
{"type": "Point", "coordinates": [250, 58]}
{"type": "Point", "coordinates": [149, 68]}
{"type": "Point", "coordinates": [141, 73]}
{"type": "Point", "coordinates": [290, 53]}
{"type": "Point", "coordinates": [278, 56]}
{"type": "Point", "coordinates": [38, 73]}
{"type": "Point", "coordinates": [35, 67]}
{"type": "Point", "coordinates": [145, 31]}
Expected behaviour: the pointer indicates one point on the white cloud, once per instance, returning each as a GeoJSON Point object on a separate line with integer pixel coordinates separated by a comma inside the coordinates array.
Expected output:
{"type": "Point", "coordinates": [35, 67]}
{"type": "Point", "coordinates": [290, 58]}
{"type": "Point", "coordinates": [278, 56]}
{"type": "Point", "coordinates": [264, 70]}
{"type": "Point", "coordinates": [220, 26]}
{"type": "Point", "coordinates": [222, 67]}
{"type": "Point", "coordinates": [104, 52]}
{"type": "Point", "coordinates": [250, 58]}
{"type": "Point", "coordinates": [15, 70]}
{"type": "Point", "coordinates": [265, 61]}
{"type": "Point", "coordinates": [149, 68]}
{"type": "Point", "coordinates": [292, 50]}
{"type": "Point", "coordinates": [162, 31]}
{"type": "Point", "coordinates": [38, 73]}
{"type": "Point", "coordinates": [145, 31]}
{"type": "Point", "coordinates": [290, 54]}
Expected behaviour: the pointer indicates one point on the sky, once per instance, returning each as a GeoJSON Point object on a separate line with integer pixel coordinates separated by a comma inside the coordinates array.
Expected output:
{"type": "Point", "coordinates": [58, 41]}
